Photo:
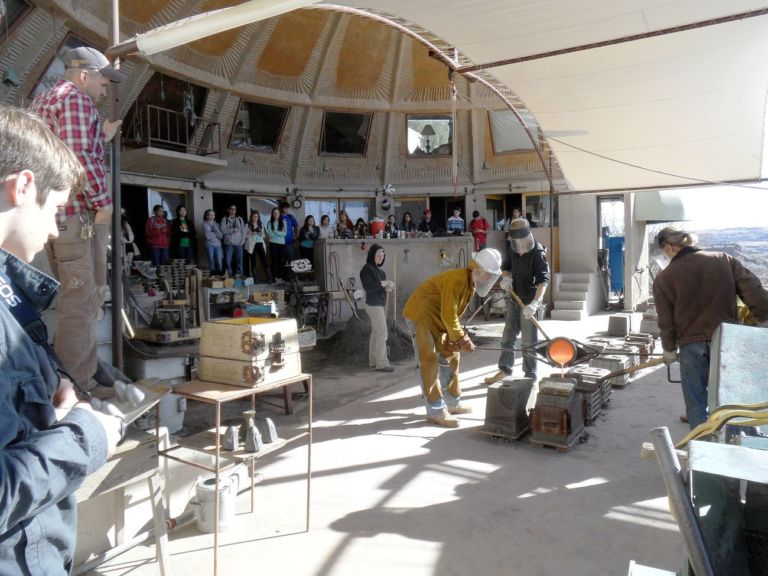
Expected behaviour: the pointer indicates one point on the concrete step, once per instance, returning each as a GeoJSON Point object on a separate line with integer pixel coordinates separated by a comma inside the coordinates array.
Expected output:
{"type": "Point", "coordinates": [571, 296]}
{"type": "Point", "coordinates": [581, 277]}
{"type": "Point", "coordinates": [570, 305]}
{"type": "Point", "coordinates": [568, 314]}
{"type": "Point", "coordinates": [573, 287]}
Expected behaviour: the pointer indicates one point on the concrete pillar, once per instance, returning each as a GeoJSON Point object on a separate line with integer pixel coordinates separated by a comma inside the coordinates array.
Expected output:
{"type": "Point", "coordinates": [636, 278]}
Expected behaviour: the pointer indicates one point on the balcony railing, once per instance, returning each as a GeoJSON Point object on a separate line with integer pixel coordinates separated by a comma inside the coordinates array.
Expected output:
{"type": "Point", "coordinates": [163, 128]}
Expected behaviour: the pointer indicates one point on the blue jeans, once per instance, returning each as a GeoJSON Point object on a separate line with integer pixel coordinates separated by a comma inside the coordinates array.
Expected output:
{"type": "Point", "coordinates": [186, 253]}
{"type": "Point", "coordinates": [214, 258]}
{"type": "Point", "coordinates": [159, 256]}
{"type": "Point", "coordinates": [233, 253]}
{"type": "Point", "coordinates": [694, 372]}
{"type": "Point", "coordinates": [515, 323]}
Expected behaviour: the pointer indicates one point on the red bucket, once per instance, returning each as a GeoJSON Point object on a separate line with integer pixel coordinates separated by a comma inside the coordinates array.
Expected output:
{"type": "Point", "coordinates": [376, 225]}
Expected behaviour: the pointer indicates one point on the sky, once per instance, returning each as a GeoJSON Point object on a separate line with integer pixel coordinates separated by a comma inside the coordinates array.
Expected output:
{"type": "Point", "coordinates": [726, 207]}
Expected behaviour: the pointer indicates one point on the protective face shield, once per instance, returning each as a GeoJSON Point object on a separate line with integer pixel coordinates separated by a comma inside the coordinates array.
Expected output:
{"type": "Point", "coordinates": [520, 237]}
{"type": "Point", "coordinates": [486, 270]}
{"type": "Point", "coordinates": [483, 281]}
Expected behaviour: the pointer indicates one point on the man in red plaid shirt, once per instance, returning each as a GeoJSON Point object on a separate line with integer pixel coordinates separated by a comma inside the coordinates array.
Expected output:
{"type": "Point", "coordinates": [78, 255]}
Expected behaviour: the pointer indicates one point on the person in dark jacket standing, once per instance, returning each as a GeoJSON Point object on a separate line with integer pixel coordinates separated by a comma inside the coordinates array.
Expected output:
{"type": "Point", "coordinates": [49, 440]}
{"type": "Point", "coordinates": [526, 271]}
{"type": "Point", "coordinates": [693, 295]}
{"type": "Point", "coordinates": [183, 235]}
{"type": "Point", "coordinates": [376, 287]}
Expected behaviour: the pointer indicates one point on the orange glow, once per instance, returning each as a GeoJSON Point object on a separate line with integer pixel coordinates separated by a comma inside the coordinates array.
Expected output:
{"type": "Point", "coordinates": [561, 351]}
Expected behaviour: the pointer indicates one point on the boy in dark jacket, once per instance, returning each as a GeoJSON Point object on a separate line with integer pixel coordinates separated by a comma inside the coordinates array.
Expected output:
{"type": "Point", "coordinates": [376, 287]}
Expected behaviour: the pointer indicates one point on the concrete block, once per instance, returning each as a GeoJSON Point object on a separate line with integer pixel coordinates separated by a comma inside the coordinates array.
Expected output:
{"type": "Point", "coordinates": [619, 325]}
{"type": "Point", "coordinates": [650, 326]}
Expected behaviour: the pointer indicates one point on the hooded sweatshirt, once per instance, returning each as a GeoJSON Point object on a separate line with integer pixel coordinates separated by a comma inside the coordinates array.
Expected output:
{"type": "Point", "coordinates": [372, 276]}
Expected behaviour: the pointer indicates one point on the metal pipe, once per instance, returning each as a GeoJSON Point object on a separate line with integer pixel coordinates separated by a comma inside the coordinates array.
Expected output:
{"type": "Point", "coordinates": [614, 41]}
{"type": "Point", "coordinates": [682, 508]}
{"type": "Point", "coordinates": [116, 275]}
{"type": "Point", "coordinates": [107, 555]}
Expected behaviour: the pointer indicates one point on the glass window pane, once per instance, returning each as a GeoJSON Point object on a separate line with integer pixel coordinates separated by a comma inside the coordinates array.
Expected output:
{"type": "Point", "coordinates": [345, 133]}
{"type": "Point", "coordinates": [318, 208]}
{"type": "Point", "coordinates": [495, 209]}
{"type": "Point", "coordinates": [509, 135]}
{"type": "Point", "coordinates": [429, 135]}
{"type": "Point", "coordinates": [11, 12]}
{"type": "Point", "coordinates": [56, 67]}
{"type": "Point", "coordinates": [536, 210]}
{"type": "Point", "coordinates": [358, 209]}
{"type": "Point", "coordinates": [258, 127]}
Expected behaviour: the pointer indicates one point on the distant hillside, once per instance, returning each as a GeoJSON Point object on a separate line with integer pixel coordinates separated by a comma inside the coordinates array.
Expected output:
{"type": "Point", "coordinates": [733, 235]}
{"type": "Point", "coordinates": [749, 245]}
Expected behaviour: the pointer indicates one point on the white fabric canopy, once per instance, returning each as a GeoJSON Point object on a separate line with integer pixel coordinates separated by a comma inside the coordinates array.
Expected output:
{"type": "Point", "coordinates": [686, 104]}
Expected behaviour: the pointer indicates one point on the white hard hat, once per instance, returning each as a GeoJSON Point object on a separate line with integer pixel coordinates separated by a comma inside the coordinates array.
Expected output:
{"type": "Point", "coordinates": [489, 259]}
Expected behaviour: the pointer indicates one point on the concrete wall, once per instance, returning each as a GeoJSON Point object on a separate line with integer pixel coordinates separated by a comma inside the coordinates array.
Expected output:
{"type": "Point", "coordinates": [578, 233]}
{"type": "Point", "coordinates": [415, 260]}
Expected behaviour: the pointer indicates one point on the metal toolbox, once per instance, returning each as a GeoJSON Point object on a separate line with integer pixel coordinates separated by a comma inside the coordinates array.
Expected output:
{"type": "Point", "coordinates": [249, 352]}
{"type": "Point", "coordinates": [249, 374]}
{"type": "Point", "coordinates": [249, 339]}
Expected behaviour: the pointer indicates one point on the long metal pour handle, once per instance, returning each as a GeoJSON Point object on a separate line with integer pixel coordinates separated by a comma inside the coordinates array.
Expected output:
{"type": "Point", "coordinates": [533, 318]}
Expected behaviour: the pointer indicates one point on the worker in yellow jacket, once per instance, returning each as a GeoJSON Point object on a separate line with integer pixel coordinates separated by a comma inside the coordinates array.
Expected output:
{"type": "Point", "coordinates": [432, 313]}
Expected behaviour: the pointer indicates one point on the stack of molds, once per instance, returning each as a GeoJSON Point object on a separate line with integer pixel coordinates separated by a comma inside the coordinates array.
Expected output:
{"type": "Point", "coordinates": [596, 396]}
{"type": "Point", "coordinates": [505, 413]}
{"type": "Point", "coordinates": [619, 348]}
{"type": "Point", "coordinates": [643, 342]}
{"type": "Point", "coordinates": [558, 417]}
{"type": "Point", "coordinates": [249, 352]}
{"type": "Point", "coordinates": [613, 363]}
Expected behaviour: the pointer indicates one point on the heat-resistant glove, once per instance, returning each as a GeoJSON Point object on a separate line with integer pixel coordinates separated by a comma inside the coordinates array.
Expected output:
{"type": "Point", "coordinates": [670, 356]}
{"type": "Point", "coordinates": [506, 283]}
{"type": "Point", "coordinates": [530, 310]}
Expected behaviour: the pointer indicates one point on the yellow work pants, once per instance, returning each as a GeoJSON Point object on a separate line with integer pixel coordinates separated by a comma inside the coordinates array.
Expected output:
{"type": "Point", "coordinates": [428, 348]}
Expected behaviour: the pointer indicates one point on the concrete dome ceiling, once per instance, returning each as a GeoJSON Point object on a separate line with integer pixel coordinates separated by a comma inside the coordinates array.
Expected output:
{"type": "Point", "coordinates": [313, 60]}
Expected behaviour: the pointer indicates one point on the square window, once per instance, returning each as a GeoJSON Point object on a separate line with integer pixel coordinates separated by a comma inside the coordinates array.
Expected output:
{"type": "Point", "coordinates": [345, 133]}
{"type": "Point", "coordinates": [429, 135]}
{"type": "Point", "coordinates": [258, 127]}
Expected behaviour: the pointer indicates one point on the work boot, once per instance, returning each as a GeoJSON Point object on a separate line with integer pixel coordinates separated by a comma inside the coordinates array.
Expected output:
{"type": "Point", "coordinates": [444, 418]}
{"type": "Point", "coordinates": [459, 409]}
{"type": "Point", "coordinates": [385, 369]}
{"type": "Point", "coordinates": [498, 377]}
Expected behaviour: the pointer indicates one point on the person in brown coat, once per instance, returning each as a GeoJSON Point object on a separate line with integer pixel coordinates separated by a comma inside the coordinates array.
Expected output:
{"type": "Point", "coordinates": [693, 295]}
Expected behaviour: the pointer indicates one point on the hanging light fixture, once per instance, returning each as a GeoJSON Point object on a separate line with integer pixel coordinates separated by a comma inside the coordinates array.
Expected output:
{"type": "Point", "coordinates": [428, 132]}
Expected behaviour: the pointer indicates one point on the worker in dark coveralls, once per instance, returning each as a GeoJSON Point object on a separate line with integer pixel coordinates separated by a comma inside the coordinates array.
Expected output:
{"type": "Point", "coordinates": [49, 441]}
{"type": "Point", "coordinates": [526, 271]}
{"type": "Point", "coordinates": [693, 295]}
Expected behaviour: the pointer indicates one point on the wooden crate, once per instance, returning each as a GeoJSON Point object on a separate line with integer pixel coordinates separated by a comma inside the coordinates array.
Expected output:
{"type": "Point", "coordinates": [249, 374]}
{"type": "Point", "coordinates": [249, 339]}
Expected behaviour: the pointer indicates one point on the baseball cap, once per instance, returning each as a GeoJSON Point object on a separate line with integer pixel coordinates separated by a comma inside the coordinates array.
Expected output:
{"type": "Point", "coordinates": [427, 211]}
{"type": "Point", "coordinates": [88, 58]}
